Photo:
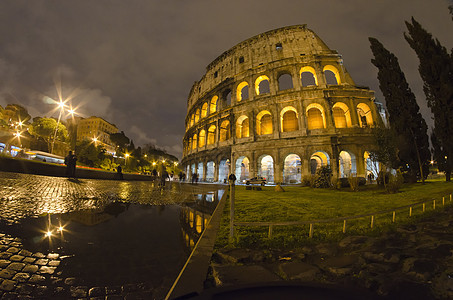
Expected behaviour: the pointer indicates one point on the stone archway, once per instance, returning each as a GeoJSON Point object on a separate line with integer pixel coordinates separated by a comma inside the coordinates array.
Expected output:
{"type": "Point", "coordinates": [317, 160]}
{"type": "Point", "coordinates": [347, 163]}
{"type": "Point", "coordinates": [242, 169]}
{"type": "Point", "coordinates": [224, 169]}
{"type": "Point", "coordinates": [266, 167]}
{"type": "Point", "coordinates": [292, 169]}
{"type": "Point", "coordinates": [210, 171]}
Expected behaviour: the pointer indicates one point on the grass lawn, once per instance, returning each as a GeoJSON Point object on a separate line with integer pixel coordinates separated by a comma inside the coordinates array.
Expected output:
{"type": "Point", "coordinates": [305, 203]}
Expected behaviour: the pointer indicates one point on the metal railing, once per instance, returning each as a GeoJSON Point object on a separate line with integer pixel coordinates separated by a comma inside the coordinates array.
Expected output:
{"type": "Point", "coordinates": [345, 220]}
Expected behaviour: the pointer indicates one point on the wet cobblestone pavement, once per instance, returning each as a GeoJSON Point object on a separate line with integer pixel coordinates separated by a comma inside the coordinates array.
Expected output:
{"type": "Point", "coordinates": [28, 274]}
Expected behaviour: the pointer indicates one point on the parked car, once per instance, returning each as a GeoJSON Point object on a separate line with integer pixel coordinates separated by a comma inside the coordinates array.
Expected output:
{"type": "Point", "coordinates": [256, 180]}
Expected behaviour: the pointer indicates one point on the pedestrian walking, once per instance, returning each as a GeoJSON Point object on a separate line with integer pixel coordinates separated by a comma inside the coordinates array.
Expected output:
{"type": "Point", "coordinates": [70, 162]}
{"type": "Point", "coordinates": [119, 172]}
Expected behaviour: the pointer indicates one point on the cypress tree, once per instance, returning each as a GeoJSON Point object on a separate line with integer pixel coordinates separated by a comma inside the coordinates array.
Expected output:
{"type": "Point", "coordinates": [436, 71]}
{"type": "Point", "coordinates": [405, 118]}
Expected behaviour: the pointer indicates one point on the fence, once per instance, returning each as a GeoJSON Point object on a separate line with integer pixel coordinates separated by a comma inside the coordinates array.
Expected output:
{"type": "Point", "coordinates": [409, 209]}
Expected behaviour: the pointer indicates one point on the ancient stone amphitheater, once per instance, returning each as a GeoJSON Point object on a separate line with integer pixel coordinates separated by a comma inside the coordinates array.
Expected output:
{"type": "Point", "coordinates": [279, 105]}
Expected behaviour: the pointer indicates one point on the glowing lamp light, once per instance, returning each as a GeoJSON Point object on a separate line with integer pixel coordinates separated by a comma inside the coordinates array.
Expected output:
{"type": "Point", "coordinates": [154, 163]}
{"type": "Point", "coordinates": [126, 155]}
{"type": "Point", "coordinates": [95, 139]}
{"type": "Point", "coordinates": [176, 163]}
{"type": "Point", "coordinates": [48, 234]}
{"type": "Point", "coordinates": [432, 162]}
{"type": "Point", "coordinates": [163, 161]}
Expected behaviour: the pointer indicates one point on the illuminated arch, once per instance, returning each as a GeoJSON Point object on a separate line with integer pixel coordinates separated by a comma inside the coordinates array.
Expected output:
{"type": "Point", "coordinates": [242, 168]}
{"type": "Point", "coordinates": [319, 159]}
{"type": "Point", "coordinates": [292, 169]}
{"type": "Point", "coordinates": [258, 81]}
{"type": "Point", "coordinates": [315, 116]}
{"type": "Point", "coordinates": [341, 115]}
{"type": "Point", "coordinates": [213, 104]}
{"type": "Point", "coordinates": [242, 127]}
{"type": "Point", "coordinates": [211, 134]}
{"type": "Point", "coordinates": [224, 131]}
{"type": "Point", "coordinates": [264, 123]}
{"type": "Point", "coordinates": [266, 167]}
{"type": "Point", "coordinates": [308, 69]}
{"type": "Point", "coordinates": [335, 72]}
{"type": "Point", "coordinates": [347, 163]}
{"type": "Point", "coordinates": [289, 119]}
{"type": "Point", "coordinates": [242, 91]}
{"type": "Point", "coordinates": [194, 142]}
{"type": "Point", "coordinates": [210, 171]}
{"type": "Point", "coordinates": [204, 110]}
{"type": "Point", "coordinates": [197, 115]}
{"type": "Point", "coordinates": [202, 138]}
{"type": "Point", "coordinates": [365, 115]}
{"type": "Point", "coordinates": [192, 119]}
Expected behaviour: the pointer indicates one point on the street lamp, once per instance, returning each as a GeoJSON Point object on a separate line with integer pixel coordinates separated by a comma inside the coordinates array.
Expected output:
{"type": "Point", "coordinates": [61, 106]}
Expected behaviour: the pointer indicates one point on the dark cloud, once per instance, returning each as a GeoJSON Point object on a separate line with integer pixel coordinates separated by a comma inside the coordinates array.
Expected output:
{"type": "Point", "coordinates": [133, 62]}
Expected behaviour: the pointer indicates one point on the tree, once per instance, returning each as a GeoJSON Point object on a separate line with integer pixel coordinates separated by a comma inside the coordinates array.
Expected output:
{"type": "Point", "coordinates": [89, 154]}
{"type": "Point", "coordinates": [439, 153]}
{"type": "Point", "coordinates": [45, 128]}
{"type": "Point", "coordinates": [120, 140]}
{"type": "Point", "coordinates": [436, 71]}
{"type": "Point", "coordinates": [19, 113]}
{"type": "Point", "coordinates": [404, 113]}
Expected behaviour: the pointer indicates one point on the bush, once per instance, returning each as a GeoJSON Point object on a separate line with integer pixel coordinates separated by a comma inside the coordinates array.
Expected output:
{"type": "Point", "coordinates": [307, 180]}
{"type": "Point", "coordinates": [322, 177]}
{"type": "Point", "coordinates": [395, 182]}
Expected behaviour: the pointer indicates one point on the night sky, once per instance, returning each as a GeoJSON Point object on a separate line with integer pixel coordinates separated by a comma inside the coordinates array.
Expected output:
{"type": "Point", "coordinates": [134, 62]}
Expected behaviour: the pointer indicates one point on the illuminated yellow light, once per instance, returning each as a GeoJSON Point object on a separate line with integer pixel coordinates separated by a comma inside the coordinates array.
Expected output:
{"type": "Point", "coordinates": [163, 161]}
{"type": "Point", "coordinates": [60, 228]}
{"type": "Point", "coordinates": [146, 155]}
{"type": "Point", "coordinates": [61, 104]}
{"type": "Point", "coordinates": [95, 139]}
{"type": "Point", "coordinates": [432, 162]}
{"type": "Point", "coordinates": [127, 155]}
{"type": "Point", "coordinates": [176, 163]}
{"type": "Point", "coordinates": [48, 234]}
{"type": "Point", "coordinates": [154, 163]}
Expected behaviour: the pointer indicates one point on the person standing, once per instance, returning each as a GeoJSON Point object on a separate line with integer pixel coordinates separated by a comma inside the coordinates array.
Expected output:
{"type": "Point", "coordinates": [67, 162]}
{"type": "Point", "coordinates": [73, 165]}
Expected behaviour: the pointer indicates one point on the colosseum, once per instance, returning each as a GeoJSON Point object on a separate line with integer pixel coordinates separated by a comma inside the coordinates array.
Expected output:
{"type": "Point", "coordinates": [279, 105]}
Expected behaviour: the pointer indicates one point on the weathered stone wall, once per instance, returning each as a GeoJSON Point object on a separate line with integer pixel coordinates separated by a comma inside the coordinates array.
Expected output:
{"type": "Point", "coordinates": [254, 68]}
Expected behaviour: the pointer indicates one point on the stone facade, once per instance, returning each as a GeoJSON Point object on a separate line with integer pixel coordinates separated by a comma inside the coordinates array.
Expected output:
{"type": "Point", "coordinates": [278, 105]}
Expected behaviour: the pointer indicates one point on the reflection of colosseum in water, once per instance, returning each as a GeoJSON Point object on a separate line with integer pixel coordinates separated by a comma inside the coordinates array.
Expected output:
{"type": "Point", "coordinates": [278, 105]}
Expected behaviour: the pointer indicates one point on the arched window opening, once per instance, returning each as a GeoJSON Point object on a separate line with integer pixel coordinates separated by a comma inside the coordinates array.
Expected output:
{"type": "Point", "coordinates": [332, 75]}
{"type": "Point", "coordinates": [211, 135]}
{"type": "Point", "coordinates": [225, 131]}
{"type": "Point", "coordinates": [315, 117]}
{"type": "Point", "coordinates": [308, 76]}
{"type": "Point", "coordinates": [242, 127]}
{"type": "Point", "coordinates": [289, 119]}
{"type": "Point", "coordinates": [339, 117]}
{"type": "Point", "coordinates": [292, 169]}
{"type": "Point", "coordinates": [192, 119]}
{"type": "Point", "coordinates": [204, 110]}
{"type": "Point", "coordinates": [202, 138]}
{"type": "Point", "coordinates": [285, 82]}
{"type": "Point", "coordinates": [213, 105]}
{"type": "Point", "coordinates": [194, 141]}
{"type": "Point", "coordinates": [227, 98]}
{"type": "Point", "coordinates": [347, 164]}
{"type": "Point", "coordinates": [200, 171]}
{"type": "Point", "coordinates": [242, 91]}
{"type": "Point", "coordinates": [365, 115]}
{"type": "Point", "coordinates": [317, 160]}
{"type": "Point", "coordinates": [242, 169]}
{"type": "Point", "coordinates": [197, 115]}
{"type": "Point", "coordinates": [262, 85]}
{"type": "Point", "coordinates": [224, 170]}
{"type": "Point", "coordinates": [210, 167]}
{"type": "Point", "coordinates": [266, 168]}
{"type": "Point", "coordinates": [264, 123]}
{"type": "Point", "coordinates": [330, 78]}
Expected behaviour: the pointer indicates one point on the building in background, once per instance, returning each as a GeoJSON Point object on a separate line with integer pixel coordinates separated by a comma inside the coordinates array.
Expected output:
{"type": "Point", "coordinates": [98, 130]}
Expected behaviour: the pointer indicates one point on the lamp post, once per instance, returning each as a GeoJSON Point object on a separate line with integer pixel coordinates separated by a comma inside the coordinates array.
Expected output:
{"type": "Point", "coordinates": [61, 105]}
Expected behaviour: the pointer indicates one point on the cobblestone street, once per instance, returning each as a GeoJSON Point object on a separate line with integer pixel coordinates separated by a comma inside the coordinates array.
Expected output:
{"type": "Point", "coordinates": [36, 274]}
